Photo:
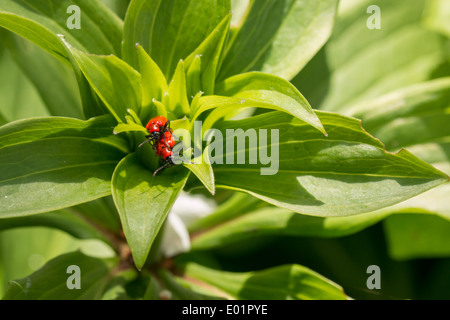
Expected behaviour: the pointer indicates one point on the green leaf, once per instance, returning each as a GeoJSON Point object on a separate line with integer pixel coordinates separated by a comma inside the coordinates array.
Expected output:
{"type": "Point", "coordinates": [143, 202]}
{"type": "Point", "coordinates": [184, 290]}
{"type": "Point", "coordinates": [118, 6]}
{"type": "Point", "coordinates": [359, 63]}
{"type": "Point", "coordinates": [64, 220]}
{"type": "Point", "coordinates": [279, 37]}
{"type": "Point", "coordinates": [412, 236]}
{"type": "Point", "coordinates": [169, 30]}
{"type": "Point", "coordinates": [193, 78]}
{"type": "Point", "coordinates": [321, 176]}
{"type": "Point", "coordinates": [40, 21]}
{"type": "Point", "coordinates": [238, 204]}
{"type": "Point", "coordinates": [203, 171]}
{"type": "Point", "coordinates": [53, 163]}
{"type": "Point", "coordinates": [417, 108]}
{"type": "Point", "coordinates": [239, 10]}
{"type": "Point", "coordinates": [50, 282]}
{"type": "Point", "coordinates": [115, 82]}
{"type": "Point", "coordinates": [154, 84]}
{"type": "Point", "coordinates": [19, 97]}
{"type": "Point", "coordinates": [178, 103]}
{"type": "Point", "coordinates": [62, 97]}
{"type": "Point", "coordinates": [277, 221]}
{"type": "Point", "coordinates": [210, 52]}
{"type": "Point", "coordinates": [416, 117]}
{"type": "Point", "coordinates": [285, 282]}
{"type": "Point", "coordinates": [437, 16]}
{"type": "Point", "coordinates": [266, 88]}
{"type": "Point", "coordinates": [102, 212]}
{"type": "Point", "coordinates": [129, 127]}
{"type": "Point", "coordinates": [92, 105]}
{"type": "Point", "coordinates": [199, 165]}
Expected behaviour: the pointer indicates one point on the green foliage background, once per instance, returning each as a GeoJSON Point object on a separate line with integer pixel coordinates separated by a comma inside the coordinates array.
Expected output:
{"type": "Point", "coordinates": [339, 203]}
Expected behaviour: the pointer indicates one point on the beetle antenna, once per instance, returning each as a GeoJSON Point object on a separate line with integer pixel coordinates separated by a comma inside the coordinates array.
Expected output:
{"type": "Point", "coordinates": [160, 168]}
{"type": "Point", "coordinates": [149, 139]}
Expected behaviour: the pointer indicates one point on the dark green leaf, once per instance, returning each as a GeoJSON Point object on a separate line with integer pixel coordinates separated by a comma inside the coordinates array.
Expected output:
{"type": "Point", "coordinates": [115, 82]}
{"type": "Point", "coordinates": [312, 174]}
{"type": "Point", "coordinates": [169, 30]}
{"type": "Point", "coordinates": [412, 236]}
{"type": "Point", "coordinates": [53, 163]}
{"type": "Point", "coordinates": [50, 282]}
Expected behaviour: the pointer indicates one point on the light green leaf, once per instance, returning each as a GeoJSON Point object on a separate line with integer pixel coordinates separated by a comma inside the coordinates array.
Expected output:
{"type": "Point", "coordinates": [416, 117]}
{"type": "Point", "coordinates": [266, 88]}
{"type": "Point", "coordinates": [210, 52]}
{"type": "Point", "coordinates": [62, 97]}
{"type": "Point", "coordinates": [437, 16]}
{"type": "Point", "coordinates": [203, 171]}
{"type": "Point", "coordinates": [198, 165]}
{"type": "Point", "coordinates": [359, 63]}
{"type": "Point", "coordinates": [50, 282]}
{"type": "Point", "coordinates": [238, 204]}
{"type": "Point", "coordinates": [19, 98]}
{"type": "Point", "coordinates": [348, 172]}
{"type": "Point", "coordinates": [239, 9]}
{"type": "Point", "coordinates": [430, 96]}
{"type": "Point", "coordinates": [143, 202]}
{"type": "Point", "coordinates": [193, 77]}
{"type": "Point", "coordinates": [277, 221]}
{"type": "Point", "coordinates": [412, 236]}
{"type": "Point", "coordinates": [154, 84]}
{"type": "Point", "coordinates": [115, 82]}
{"type": "Point", "coordinates": [53, 163]}
{"type": "Point", "coordinates": [285, 282]}
{"type": "Point", "coordinates": [102, 212]}
{"type": "Point", "coordinates": [184, 290]}
{"type": "Point", "coordinates": [178, 102]}
{"type": "Point", "coordinates": [169, 30]}
{"type": "Point", "coordinates": [118, 6]}
{"type": "Point", "coordinates": [41, 20]}
{"type": "Point", "coordinates": [92, 105]}
{"type": "Point", "coordinates": [279, 37]}
{"type": "Point", "coordinates": [129, 127]}
{"type": "Point", "coordinates": [64, 220]}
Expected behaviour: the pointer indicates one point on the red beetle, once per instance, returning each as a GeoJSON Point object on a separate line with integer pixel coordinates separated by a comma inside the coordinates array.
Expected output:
{"type": "Point", "coordinates": [164, 150]}
{"type": "Point", "coordinates": [157, 126]}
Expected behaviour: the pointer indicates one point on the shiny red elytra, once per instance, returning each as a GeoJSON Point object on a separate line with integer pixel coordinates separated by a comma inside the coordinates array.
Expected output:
{"type": "Point", "coordinates": [155, 124]}
{"type": "Point", "coordinates": [156, 127]}
{"type": "Point", "coordinates": [161, 139]}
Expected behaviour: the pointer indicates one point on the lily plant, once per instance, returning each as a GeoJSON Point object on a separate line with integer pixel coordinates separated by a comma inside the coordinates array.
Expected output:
{"type": "Point", "coordinates": [204, 65]}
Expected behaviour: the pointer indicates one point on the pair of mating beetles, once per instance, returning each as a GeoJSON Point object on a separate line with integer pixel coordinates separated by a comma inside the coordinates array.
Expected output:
{"type": "Point", "coordinates": [162, 140]}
